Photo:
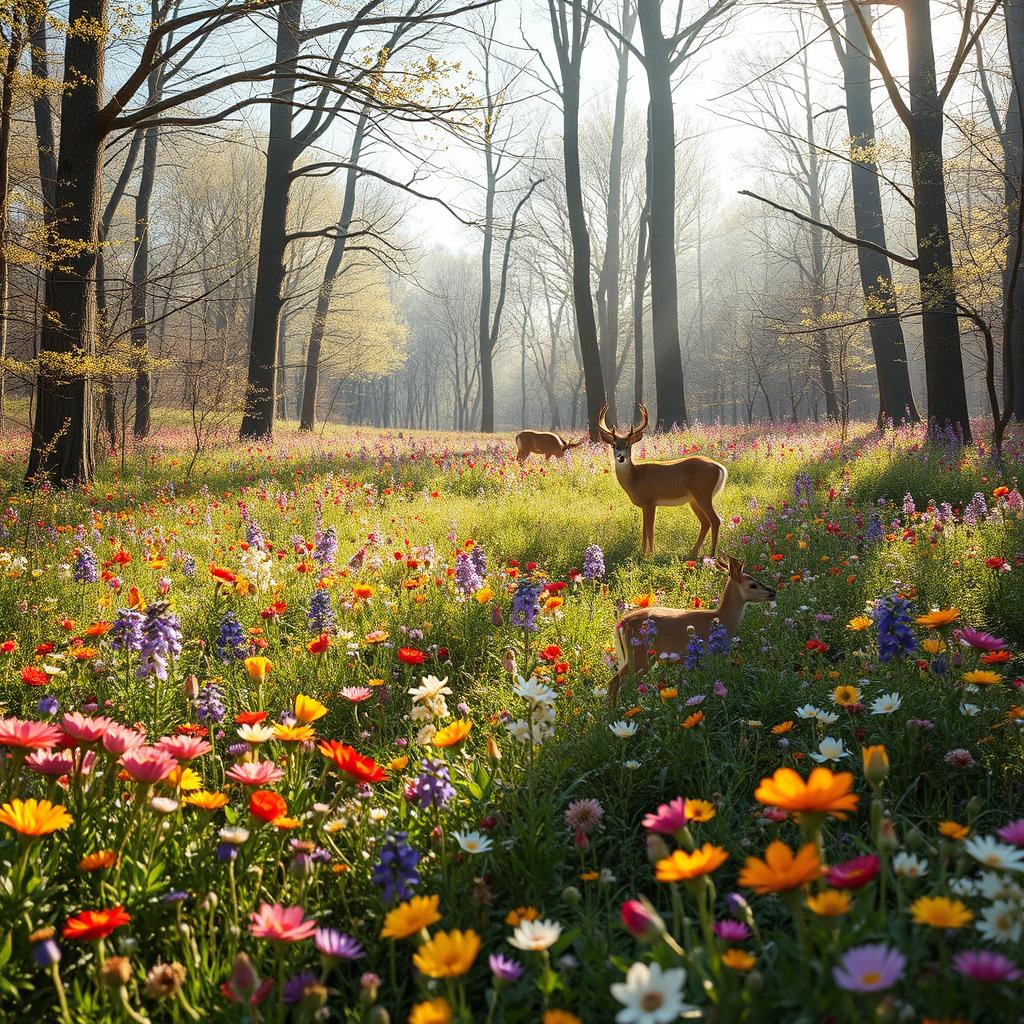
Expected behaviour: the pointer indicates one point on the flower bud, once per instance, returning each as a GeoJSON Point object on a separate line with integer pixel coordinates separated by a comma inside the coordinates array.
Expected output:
{"type": "Point", "coordinates": [657, 848]}
{"type": "Point", "coordinates": [740, 908]}
{"type": "Point", "coordinates": [244, 980]}
{"type": "Point", "coordinates": [191, 686]}
{"type": "Point", "coordinates": [508, 661]}
{"type": "Point", "coordinates": [379, 1015]}
{"type": "Point", "coordinates": [887, 837]}
{"type": "Point", "coordinates": [370, 984]}
{"type": "Point", "coordinates": [641, 920]}
{"type": "Point", "coordinates": [915, 841]}
{"type": "Point", "coordinates": [116, 972]}
{"type": "Point", "coordinates": [572, 895]}
{"type": "Point", "coordinates": [496, 616]}
{"type": "Point", "coordinates": [876, 764]}
{"type": "Point", "coordinates": [974, 808]}
{"type": "Point", "coordinates": [493, 750]}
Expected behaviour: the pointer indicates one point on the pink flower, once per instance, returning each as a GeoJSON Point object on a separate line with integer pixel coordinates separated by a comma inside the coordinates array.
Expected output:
{"type": "Point", "coordinates": [979, 640]}
{"type": "Point", "coordinates": [1013, 833]}
{"type": "Point", "coordinates": [27, 734]}
{"type": "Point", "coordinates": [852, 874]}
{"type": "Point", "coordinates": [281, 924]}
{"type": "Point", "coordinates": [254, 773]}
{"type": "Point", "coordinates": [985, 966]}
{"type": "Point", "coordinates": [47, 763]}
{"type": "Point", "coordinates": [584, 815]}
{"type": "Point", "coordinates": [641, 920]}
{"type": "Point", "coordinates": [119, 739]}
{"type": "Point", "coordinates": [184, 748]}
{"type": "Point", "coordinates": [148, 764]}
{"type": "Point", "coordinates": [668, 819]}
{"type": "Point", "coordinates": [355, 694]}
{"type": "Point", "coordinates": [85, 728]}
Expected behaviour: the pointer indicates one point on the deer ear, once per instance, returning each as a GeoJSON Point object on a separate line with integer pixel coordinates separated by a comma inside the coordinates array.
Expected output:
{"type": "Point", "coordinates": [735, 568]}
{"type": "Point", "coordinates": [721, 564]}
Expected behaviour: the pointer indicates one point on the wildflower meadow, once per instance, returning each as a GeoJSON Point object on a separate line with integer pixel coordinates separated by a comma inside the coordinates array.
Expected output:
{"type": "Point", "coordinates": [320, 730]}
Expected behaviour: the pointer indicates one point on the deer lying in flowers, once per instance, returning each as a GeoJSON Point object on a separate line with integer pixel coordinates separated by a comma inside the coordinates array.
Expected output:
{"type": "Point", "coordinates": [646, 633]}
{"type": "Point", "coordinates": [541, 442]}
{"type": "Point", "coordinates": [694, 481]}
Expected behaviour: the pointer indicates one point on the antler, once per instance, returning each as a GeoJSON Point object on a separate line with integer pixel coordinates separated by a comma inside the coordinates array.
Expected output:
{"type": "Point", "coordinates": [637, 432]}
{"type": "Point", "coordinates": [602, 425]}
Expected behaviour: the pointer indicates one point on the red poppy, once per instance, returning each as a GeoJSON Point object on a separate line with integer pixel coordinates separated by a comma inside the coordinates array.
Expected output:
{"type": "Point", "coordinates": [220, 573]}
{"type": "Point", "coordinates": [267, 805]}
{"type": "Point", "coordinates": [319, 644]}
{"type": "Point", "coordinates": [996, 563]}
{"type": "Point", "coordinates": [95, 924]}
{"type": "Point", "coordinates": [410, 656]}
{"type": "Point", "coordinates": [250, 717]}
{"type": "Point", "coordinates": [347, 760]}
{"type": "Point", "coordinates": [32, 676]}
{"type": "Point", "coordinates": [46, 648]}
{"type": "Point", "coordinates": [122, 557]}
{"type": "Point", "coordinates": [551, 653]}
{"type": "Point", "coordinates": [9, 646]}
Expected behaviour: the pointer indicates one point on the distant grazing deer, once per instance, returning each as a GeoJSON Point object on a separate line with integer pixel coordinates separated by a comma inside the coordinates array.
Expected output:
{"type": "Point", "coordinates": [693, 481]}
{"type": "Point", "coordinates": [672, 626]}
{"type": "Point", "coordinates": [541, 442]}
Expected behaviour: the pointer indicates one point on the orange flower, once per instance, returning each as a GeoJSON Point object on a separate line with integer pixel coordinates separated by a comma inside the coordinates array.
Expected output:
{"type": "Point", "coordinates": [222, 575]}
{"type": "Point", "coordinates": [95, 924]}
{"type": "Point", "coordinates": [258, 667]}
{"type": "Point", "coordinates": [452, 735]}
{"type": "Point", "coordinates": [363, 591]}
{"type": "Point", "coordinates": [356, 766]}
{"type": "Point", "coordinates": [953, 830]}
{"type": "Point", "coordinates": [781, 870]}
{"type": "Point", "coordinates": [98, 861]}
{"type": "Point", "coordinates": [685, 867]}
{"type": "Point", "coordinates": [782, 727]}
{"type": "Point", "coordinates": [644, 600]}
{"type": "Point", "coordinates": [98, 628]}
{"type": "Point", "coordinates": [267, 805]}
{"type": "Point", "coordinates": [694, 720]}
{"type": "Point", "coordinates": [823, 793]}
{"type": "Point", "coordinates": [207, 801]}
{"type": "Point", "coordinates": [938, 617]}
{"type": "Point", "coordinates": [319, 644]}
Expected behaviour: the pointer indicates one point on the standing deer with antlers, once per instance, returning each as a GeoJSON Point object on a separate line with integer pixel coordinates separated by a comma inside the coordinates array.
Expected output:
{"type": "Point", "coordinates": [693, 481]}
{"type": "Point", "coordinates": [646, 633]}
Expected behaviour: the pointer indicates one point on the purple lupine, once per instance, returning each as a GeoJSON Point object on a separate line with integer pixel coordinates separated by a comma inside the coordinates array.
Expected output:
{"type": "Point", "coordinates": [231, 641]}
{"type": "Point", "coordinates": [395, 873]}
{"type": "Point", "coordinates": [467, 579]}
{"type": "Point", "coordinates": [210, 704]}
{"type": "Point", "coordinates": [593, 563]}
{"type": "Point", "coordinates": [718, 640]}
{"type": "Point", "coordinates": [478, 557]}
{"type": "Point", "coordinates": [162, 632]}
{"type": "Point", "coordinates": [321, 616]}
{"type": "Point", "coordinates": [126, 634]}
{"type": "Point", "coordinates": [325, 549]}
{"type": "Point", "coordinates": [895, 637]}
{"type": "Point", "coordinates": [188, 567]}
{"type": "Point", "coordinates": [433, 787]}
{"type": "Point", "coordinates": [694, 652]}
{"type": "Point", "coordinates": [526, 605]}
{"type": "Point", "coordinates": [85, 569]}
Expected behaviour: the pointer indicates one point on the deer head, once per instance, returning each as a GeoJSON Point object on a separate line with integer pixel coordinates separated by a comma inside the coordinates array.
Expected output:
{"type": "Point", "coordinates": [621, 443]}
{"type": "Point", "coordinates": [750, 589]}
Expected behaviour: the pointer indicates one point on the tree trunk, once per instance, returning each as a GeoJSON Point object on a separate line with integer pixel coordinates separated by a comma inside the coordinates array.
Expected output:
{"type": "Point", "coordinates": [1013, 345]}
{"type": "Point", "coordinates": [608, 281]}
{"type": "Point", "coordinates": [668, 366]}
{"type": "Point", "coordinates": [323, 300]}
{"type": "Point", "coordinates": [15, 44]}
{"type": "Point", "coordinates": [895, 395]}
{"type": "Point", "coordinates": [947, 394]}
{"type": "Point", "coordinates": [270, 271]}
{"type": "Point", "coordinates": [583, 304]}
{"type": "Point", "coordinates": [484, 336]}
{"type": "Point", "coordinates": [140, 282]}
{"type": "Point", "coordinates": [643, 257]}
{"type": "Point", "coordinates": [62, 430]}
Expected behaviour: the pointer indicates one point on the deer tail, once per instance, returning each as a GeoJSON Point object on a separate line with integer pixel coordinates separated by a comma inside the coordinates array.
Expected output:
{"type": "Point", "coordinates": [621, 644]}
{"type": "Point", "coordinates": [723, 475]}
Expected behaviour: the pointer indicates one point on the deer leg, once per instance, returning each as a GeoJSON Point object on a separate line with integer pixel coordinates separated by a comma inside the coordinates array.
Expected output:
{"type": "Point", "coordinates": [648, 544]}
{"type": "Point", "coordinates": [716, 522]}
{"type": "Point", "coordinates": [705, 525]}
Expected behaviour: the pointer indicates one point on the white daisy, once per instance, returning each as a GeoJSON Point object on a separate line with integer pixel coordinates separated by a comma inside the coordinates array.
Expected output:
{"type": "Point", "coordinates": [830, 749]}
{"type": "Point", "coordinates": [535, 936]}
{"type": "Point", "coordinates": [258, 733]}
{"type": "Point", "coordinates": [827, 717]}
{"type": "Point", "coordinates": [886, 704]}
{"type": "Point", "coordinates": [429, 688]}
{"type": "Point", "coordinates": [807, 711]}
{"type": "Point", "coordinates": [909, 865]}
{"type": "Point", "coordinates": [534, 691]}
{"type": "Point", "coordinates": [623, 729]}
{"type": "Point", "coordinates": [473, 842]}
{"type": "Point", "coordinates": [650, 995]}
{"type": "Point", "coordinates": [1000, 922]}
{"type": "Point", "coordinates": [970, 710]}
{"type": "Point", "coordinates": [964, 887]}
{"type": "Point", "coordinates": [993, 886]}
{"type": "Point", "coordinates": [993, 854]}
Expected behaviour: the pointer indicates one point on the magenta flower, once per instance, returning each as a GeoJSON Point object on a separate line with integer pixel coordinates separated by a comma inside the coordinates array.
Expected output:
{"type": "Point", "coordinates": [1013, 833]}
{"type": "Point", "coordinates": [119, 739]}
{"type": "Point", "coordinates": [148, 764]}
{"type": "Point", "coordinates": [980, 641]}
{"type": "Point", "coordinates": [254, 773]}
{"type": "Point", "coordinates": [732, 931]}
{"type": "Point", "coordinates": [48, 762]}
{"type": "Point", "coordinates": [852, 874]}
{"type": "Point", "coordinates": [641, 920]}
{"type": "Point", "coordinates": [584, 815]}
{"type": "Point", "coordinates": [668, 819]}
{"type": "Point", "coordinates": [184, 748]}
{"type": "Point", "coordinates": [872, 968]}
{"type": "Point", "coordinates": [985, 966]}
{"type": "Point", "coordinates": [281, 924]}
{"type": "Point", "coordinates": [84, 728]}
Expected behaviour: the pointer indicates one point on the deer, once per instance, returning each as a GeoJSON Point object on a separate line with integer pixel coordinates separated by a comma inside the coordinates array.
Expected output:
{"type": "Point", "coordinates": [693, 481]}
{"type": "Point", "coordinates": [541, 442]}
{"type": "Point", "coordinates": [670, 630]}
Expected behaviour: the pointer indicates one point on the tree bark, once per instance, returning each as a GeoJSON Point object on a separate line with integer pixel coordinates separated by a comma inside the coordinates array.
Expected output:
{"type": "Point", "coordinates": [484, 336]}
{"type": "Point", "coordinates": [62, 429]}
{"type": "Point", "coordinates": [282, 152]}
{"type": "Point", "coordinates": [895, 394]}
{"type": "Point", "coordinates": [1013, 304]}
{"type": "Point", "coordinates": [668, 366]}
{"type": "Point", "coordinates": [15, 45]}
{"type": "Point", "coordinates": [947, 393]}
{"type": "Point", "coordinates": [140, 283]}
